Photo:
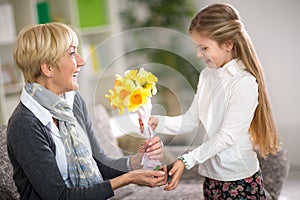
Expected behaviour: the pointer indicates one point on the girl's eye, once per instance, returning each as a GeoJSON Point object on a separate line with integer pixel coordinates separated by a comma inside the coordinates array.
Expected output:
{"type": "Point", "coordinates": [201, 48]}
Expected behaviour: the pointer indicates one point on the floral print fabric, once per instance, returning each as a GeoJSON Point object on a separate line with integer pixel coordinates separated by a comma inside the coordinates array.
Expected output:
{"type": "Point", "coordinates": [248, 188]}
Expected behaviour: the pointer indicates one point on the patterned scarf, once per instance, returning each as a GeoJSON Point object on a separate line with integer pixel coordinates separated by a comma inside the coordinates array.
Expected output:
{"type": "Point", "coordinates": [82, 168]}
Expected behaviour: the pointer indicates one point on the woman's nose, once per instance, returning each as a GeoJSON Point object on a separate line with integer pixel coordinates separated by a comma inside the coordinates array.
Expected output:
{"type": "Point", "coordinates": [80, 60]}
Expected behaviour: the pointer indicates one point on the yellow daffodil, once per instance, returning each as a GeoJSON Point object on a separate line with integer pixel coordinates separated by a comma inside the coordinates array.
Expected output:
{"type": "Point", "coordinates": [137, 98]}
{"type": "Point", "coordinates": [133, 90]}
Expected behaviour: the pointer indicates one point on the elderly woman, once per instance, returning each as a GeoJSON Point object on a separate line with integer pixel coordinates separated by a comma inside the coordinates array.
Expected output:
{"type": "Point", "coordinates": [52, 147]}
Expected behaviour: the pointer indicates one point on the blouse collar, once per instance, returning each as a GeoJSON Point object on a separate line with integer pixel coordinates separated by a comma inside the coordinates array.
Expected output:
{"type": "Point", "coordinates": [231, 68]}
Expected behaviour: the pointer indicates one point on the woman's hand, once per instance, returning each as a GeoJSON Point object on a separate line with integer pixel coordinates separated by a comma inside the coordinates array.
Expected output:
{"type": "Point", "coordinates": [176, 173]}
{"type": "Point", "coordinates": [153, 121]}
{"type": "Point", "coordinates": [143, 177]}
{"type": "Point", "coordinates": [150, 178]}
{"type": "Point", "coordinates": [152, 147]}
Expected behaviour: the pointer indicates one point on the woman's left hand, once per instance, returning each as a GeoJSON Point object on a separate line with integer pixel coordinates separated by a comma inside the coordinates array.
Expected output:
{"type": "Point", "coordinates": [152, 147]}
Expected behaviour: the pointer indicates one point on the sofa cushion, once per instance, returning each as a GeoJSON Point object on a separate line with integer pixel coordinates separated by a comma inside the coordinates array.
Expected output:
{"type": "Point", "coordinates": [275, 171]}
{"type": "Point", "coordinates": [101, 127]}
{"type": "Point", "coordinates": [8, 189]}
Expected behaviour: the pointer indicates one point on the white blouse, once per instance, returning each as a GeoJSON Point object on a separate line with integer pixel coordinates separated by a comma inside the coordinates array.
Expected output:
{"type": "Point", "coordinates": [225, 103]}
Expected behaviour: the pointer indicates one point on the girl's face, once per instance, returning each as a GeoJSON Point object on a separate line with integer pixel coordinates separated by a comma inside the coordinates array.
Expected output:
{"type": "Point", "coordinates": [213, 54]}
{"type": "Point", "coordinates": [65, 77]}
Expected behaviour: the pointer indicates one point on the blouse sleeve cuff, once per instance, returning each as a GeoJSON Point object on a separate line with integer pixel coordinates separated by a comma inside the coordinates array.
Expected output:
{"type": "Point", "coordinates": [160, 124]}
{"type": "Point", "coordinates": [188, 160]}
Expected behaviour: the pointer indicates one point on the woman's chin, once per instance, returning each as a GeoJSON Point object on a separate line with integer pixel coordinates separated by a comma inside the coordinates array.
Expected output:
{"type": "Point", "coordinates": [76, 86]}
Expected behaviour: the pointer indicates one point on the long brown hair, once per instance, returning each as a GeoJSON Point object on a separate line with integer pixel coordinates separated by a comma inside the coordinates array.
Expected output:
{"type": "Point", "coordinates": [221, 23]}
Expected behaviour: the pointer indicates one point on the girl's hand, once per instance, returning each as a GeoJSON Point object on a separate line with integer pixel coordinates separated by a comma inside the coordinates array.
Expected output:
{"type": "Point", "coordinates": [176, 173]}
{"type": "Point", "coordinates": [153, 121]}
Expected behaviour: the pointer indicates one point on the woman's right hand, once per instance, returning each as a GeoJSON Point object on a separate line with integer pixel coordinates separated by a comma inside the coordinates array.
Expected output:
{"type": "Point", "coordinates": [153, 121]}
{"type": "Point", "coordinates": [150, 178]}
{"type": "Point", "coordinates": [143, 177]}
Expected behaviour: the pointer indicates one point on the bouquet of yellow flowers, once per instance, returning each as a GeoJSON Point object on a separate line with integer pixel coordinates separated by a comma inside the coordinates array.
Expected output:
{"type": "Point", "coordinates": [134, 91]}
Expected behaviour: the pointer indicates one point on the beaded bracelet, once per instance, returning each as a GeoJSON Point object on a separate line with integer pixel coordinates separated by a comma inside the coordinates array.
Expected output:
{"type": "Point", "coordinates": [186, 165]}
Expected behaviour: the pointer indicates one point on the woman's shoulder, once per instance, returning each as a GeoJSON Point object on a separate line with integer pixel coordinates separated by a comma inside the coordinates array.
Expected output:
{"type": "Point", "coordinates": [22, 120]}
{"type": "Point", "coordinates": [21, 116]}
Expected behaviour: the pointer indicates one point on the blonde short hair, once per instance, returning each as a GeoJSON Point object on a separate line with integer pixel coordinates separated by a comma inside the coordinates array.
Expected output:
{"type": "Point", "coordinates": [42, 44]}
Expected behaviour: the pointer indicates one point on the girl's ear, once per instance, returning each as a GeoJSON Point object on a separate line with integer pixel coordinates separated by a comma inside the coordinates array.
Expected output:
{"type": "Point", "coordinates": [46, 70]}
{"type": "Point", "coordinates": [228, 45]}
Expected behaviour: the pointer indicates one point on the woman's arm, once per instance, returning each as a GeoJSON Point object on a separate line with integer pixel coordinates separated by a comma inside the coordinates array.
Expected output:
{"type": "Point", "coordinates": [32, 153]}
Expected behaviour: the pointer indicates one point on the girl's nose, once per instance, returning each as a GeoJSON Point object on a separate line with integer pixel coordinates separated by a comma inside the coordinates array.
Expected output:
{"type": "Point", "coordinates": [199, 53]}
{"type": "Point", "coordinates": [80, 60]}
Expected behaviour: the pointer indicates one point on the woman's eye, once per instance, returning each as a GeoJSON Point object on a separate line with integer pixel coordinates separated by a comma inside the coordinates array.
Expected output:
{"type": "Point", "coordinates": [72, 53]}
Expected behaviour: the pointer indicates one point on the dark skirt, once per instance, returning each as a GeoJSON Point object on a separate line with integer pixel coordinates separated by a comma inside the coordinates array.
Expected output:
{"type": "Point", "coordinates": [248, 188]}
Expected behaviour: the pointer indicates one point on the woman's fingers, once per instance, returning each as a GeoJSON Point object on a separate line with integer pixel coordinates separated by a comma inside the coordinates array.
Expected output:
{"type": "Point", "coordinates": [154, 148]}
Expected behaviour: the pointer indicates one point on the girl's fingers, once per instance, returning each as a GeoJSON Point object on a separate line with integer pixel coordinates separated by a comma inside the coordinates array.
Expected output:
{"type": "Point", "coordinates": [172, 171]}
{"type": "Point", "coordinates": [171, 185]}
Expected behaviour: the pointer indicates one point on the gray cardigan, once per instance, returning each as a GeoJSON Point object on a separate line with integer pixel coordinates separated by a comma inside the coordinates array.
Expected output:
{"type": "Point", "coordinates": [32, 154]}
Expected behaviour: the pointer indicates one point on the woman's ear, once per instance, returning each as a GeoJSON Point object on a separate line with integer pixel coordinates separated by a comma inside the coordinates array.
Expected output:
{"type": "Point", "coordinates": [46, 70]}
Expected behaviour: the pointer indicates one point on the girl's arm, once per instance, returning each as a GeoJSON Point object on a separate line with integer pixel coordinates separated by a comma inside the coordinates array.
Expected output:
{"type": "Point", "coordinates": [241, 107]}
{"type": "Point", "coordinates": [186, 123]}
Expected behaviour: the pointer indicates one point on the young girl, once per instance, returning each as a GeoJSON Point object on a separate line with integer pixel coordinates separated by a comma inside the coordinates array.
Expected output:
{"type": "Point", "coordinates": [232, 104]}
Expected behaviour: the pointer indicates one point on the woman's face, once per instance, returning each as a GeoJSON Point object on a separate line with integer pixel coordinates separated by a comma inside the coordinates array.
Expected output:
{"type": "Point", "coordinates": [213, 54]}
{"type": "Point", "coordinates": [64, 79]}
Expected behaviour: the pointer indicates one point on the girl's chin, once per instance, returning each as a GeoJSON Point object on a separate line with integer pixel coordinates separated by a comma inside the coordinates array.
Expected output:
{"type": "Point", "coordinates": [212, 66]}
